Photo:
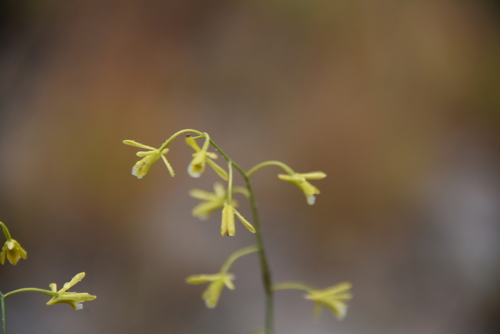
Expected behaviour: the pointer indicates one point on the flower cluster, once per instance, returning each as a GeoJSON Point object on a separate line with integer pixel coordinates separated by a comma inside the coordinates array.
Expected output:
{"type": "Point", "coordinates": [333, 298]}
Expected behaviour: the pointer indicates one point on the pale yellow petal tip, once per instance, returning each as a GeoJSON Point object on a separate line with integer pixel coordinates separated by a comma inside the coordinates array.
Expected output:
{"type": "Point", "coordinates": [311, 199]}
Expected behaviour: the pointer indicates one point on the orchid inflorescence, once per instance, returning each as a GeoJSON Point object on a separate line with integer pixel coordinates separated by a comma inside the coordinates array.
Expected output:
{"type": "Point", "coordinates": [334, 298]}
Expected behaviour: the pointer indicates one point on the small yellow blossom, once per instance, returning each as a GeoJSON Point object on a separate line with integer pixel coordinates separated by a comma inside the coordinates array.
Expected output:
{"type": "Point", "coordinates": [228, 226]}
{"type": "Point", "coordinates": [334, 298]}
{"type": "Point", "coordinates": [299, 179]}
{"type": "Point", "coordinates": [217, 281]}
{"type": "Point", "coordinates": [203, 157]}
{"type": "Point", "coordinates": [13, 251]}
{"type": "Point", "coordinates": [74, 299]}
{"type": "Point", "coordinates": [142, 166]}
{"type": "Point", "coordinates": [213, 201]}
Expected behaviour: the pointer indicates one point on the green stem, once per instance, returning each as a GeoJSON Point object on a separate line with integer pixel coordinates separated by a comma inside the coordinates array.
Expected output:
{"type": "Point", "coordinates": [47, 292]}
{"type": "Point", "coordinates": [3, 296]}
{"type": "Point", "coordinates": [169, 140]}
{"type": "Point", "coordinates": [285, 167]}
{"type": "Point", "coordinates": [2, 303]}
{"type": "Point", "coordinates": [236, 255]}
{"type": "Point", "coordinates": [5, 231]}
{"type": "Point", "coordinates": [266, 272]}
{"type": "Point", "coordinates": [294, 285]}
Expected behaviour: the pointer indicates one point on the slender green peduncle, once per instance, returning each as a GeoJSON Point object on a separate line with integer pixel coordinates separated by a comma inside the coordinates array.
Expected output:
{"type": "Point", "coordinates": [266, 272]}
{"type": "Point", "coordinates": [169, 140]}
{"type": "Point", "coordinates": [294, 285]}
{"type": "Point", "coordinates": [236, 255]}
{"type": "Point", "coordinates": [285, 167]}
{"type": "Point", "coordinates": [230, 183]}
{"type": "Point", "coordinates": [47, 292]}
{"type": "Point", "coordinates": [5, 231]}
{"type": "Point", "coordinates": [3, 296]}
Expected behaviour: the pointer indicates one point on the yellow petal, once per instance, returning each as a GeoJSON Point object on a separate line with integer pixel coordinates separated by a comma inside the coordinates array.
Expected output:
{"type": "Point", "coordinates": [200, 279]}
{"type": "Point", "coordinates": [227, 226]}
{"type": "Point", "coordinates": [170, 169]}
{"type": "Point", "coordinates": [312, 175]}
{"type": "Point", "coordinates": [136, 144]}
{"type": "Point", "coordinates": [221, 172]}
{"type": "Point", "coordinates": [192, 142]}
{"type": "Point", "coordinates": [244, 221]}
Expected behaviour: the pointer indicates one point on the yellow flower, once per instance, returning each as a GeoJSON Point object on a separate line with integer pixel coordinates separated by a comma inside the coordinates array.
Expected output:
{"type": "Point", "coordinates": [228, 226]}
{"type": "Point", "coordinates": [299, 179]}
{"type": "Point", "coordinates": [334, 298]}
{"type": "Point", "coordinates": [13, 251]}
{"type": "Point", "coordinates": [142, 166]}
{"type": "Point", "coordinates": [213, 201]}
{"type": "Point", "coordinates": [203, 157]}
{"type": "Point", "coordinates": [212, 293]}
{"type": "Point", "coordinates": [74, 299]}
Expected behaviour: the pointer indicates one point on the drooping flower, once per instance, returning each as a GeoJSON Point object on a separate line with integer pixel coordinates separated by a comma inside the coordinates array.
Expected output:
{"type": "Point", "coordinates": [202, 157]}
{"type": "Point", "coordinates": [74, 299]}
{"type": "Point", "coordinates": [13, 251]}
{"type": "Point", "coordinates": [217, 282]}
{"type": "Point", "coordinates": [334, 298]}
{"type": "Point", "coordinates": [149, 157]}
{"type": "Point", "coordinates": [228, 227]}
{"type": "Point", "coordinates": [300, 180]}
{"type": "Point", "coordinates": [223, 278]}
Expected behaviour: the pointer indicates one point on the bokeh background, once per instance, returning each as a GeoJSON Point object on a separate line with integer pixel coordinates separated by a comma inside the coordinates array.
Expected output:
{"type": "Point", "coordinates": [397, 101]}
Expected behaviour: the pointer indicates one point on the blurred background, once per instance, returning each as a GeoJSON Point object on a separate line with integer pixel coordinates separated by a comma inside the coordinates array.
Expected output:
{"type": "Point", "coordinates": [396, 101]}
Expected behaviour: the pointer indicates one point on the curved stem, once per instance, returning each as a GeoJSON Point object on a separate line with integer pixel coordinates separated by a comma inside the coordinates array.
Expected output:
{"type": "Point", "coordinates": [47, 292]}
{"type": "Point", "coordinates": [236, 255]}
{"type": "Point", "coordinates": [266, 272]}
{"type": "Point", "coordinates": [5, 231]}
{"type": "Point", "coordinates": [294, 285]}
{"type": "Point", "coordinates": [285, 167]}
{"type": "Point", "coordinates": [172, 137]}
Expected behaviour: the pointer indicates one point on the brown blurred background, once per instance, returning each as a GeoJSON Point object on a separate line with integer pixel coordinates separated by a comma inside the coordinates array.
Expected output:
{"type": "Point", "coordinates": [397, 101]}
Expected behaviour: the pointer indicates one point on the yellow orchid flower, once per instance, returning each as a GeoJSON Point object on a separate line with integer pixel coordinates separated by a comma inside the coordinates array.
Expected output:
{"type": "Point", "coordinates": [74, 299]}
{"type": "Point", "coordinates": [212, 293]}
{"type": "Point", "coordinates": [142, 166]}
{"type": "Point", "coordinates": [203, 157]}
{"type": "Point", "coordinates": [334, 298]}
{"type": "Point", "coordinates": [299, 179]}
{"type": "Point", "coordinates": [218, 281]}
{"type": "Point", "coordinates": [228, 226]}
{"type": "Point", "coordinates": [11, 250]}
{"type": "Point", "coordinates": [213, 201]}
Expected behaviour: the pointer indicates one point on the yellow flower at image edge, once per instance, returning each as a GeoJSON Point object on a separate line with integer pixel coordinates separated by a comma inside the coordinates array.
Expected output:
{"type": "Point", "coordinates": [74, 299]}
{"type": "Point", "coordinates": [142, 166]}
{"type": "Point", "coordinates": [217, 282]}
{"type": "Point", "coordinates": [334, 298]}
{"type": "Point", "coordinates": [13, 251]}
{"type": "Point", "coordinates": [300, 180]}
